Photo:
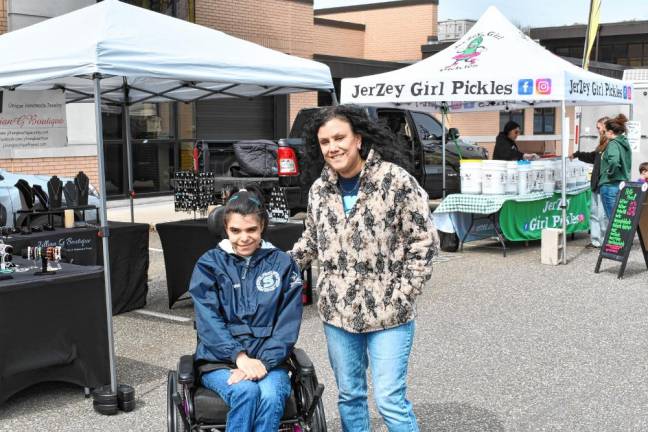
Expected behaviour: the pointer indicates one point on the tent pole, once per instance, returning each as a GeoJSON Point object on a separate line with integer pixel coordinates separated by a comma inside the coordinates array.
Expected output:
{"type": "Point", "coordinates": [104, 233]}
{"type": "Point", "coordinates": [129, 152]}
{"type": "Point", "coordinates": [443, 150]}
{"type": "Point", "coordinates": [563, 203]}
{"type": "Point", "coordinates": [334, 97]}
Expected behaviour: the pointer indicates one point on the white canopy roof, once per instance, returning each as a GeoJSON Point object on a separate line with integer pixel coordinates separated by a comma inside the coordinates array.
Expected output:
{"type": "Point", "coordinates": [493, 66]}
{"type": "Point", "coordinates": [163, 58]}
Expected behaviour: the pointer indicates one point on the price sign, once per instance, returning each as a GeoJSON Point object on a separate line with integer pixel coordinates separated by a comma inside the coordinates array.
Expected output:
{"type": "Point", "coordinates": [627, 219]}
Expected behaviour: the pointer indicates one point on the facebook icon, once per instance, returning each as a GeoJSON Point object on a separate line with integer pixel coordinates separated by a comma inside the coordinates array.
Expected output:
{"type": "Point", "coordinates": [525, 86]}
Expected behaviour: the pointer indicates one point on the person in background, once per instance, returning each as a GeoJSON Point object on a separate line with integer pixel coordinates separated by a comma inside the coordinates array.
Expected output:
{"type": "Point", "coordinates": [616, 161]}
{"type": "Point", "coordinates": [643, 172]}
{"type": "Point", "coordinates": [505, 146]}
{"type": "Point", "coordinates": [598, 219]}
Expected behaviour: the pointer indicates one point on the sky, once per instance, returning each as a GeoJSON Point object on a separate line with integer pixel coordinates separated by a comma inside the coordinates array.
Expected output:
{"type": "Point", "coordinates": [538, 13]}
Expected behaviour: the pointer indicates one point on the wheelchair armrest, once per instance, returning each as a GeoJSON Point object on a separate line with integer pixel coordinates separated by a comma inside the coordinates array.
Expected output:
{"type": "Point", "coordinates": [186, 370]}
{"type": "Point", "coordinates": [302, 362]}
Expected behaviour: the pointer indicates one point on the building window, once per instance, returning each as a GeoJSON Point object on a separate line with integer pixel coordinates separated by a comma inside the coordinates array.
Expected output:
{"type": "Point", "coordinates": [544, 121]}
{"type": "Point", "coordinates": [183, 9]}
{"type": "Point", "coordinates": [512, 115]}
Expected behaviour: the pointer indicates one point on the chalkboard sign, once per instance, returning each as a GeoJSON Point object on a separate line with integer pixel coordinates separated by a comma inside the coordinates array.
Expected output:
{"type": "Point", "coordinates": [628, 218]}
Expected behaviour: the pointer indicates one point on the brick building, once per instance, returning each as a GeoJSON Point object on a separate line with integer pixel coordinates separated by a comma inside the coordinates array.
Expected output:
{"type": "Point", "coordinates": [164, 133]}
{"type": "Point", "coordinates": [353, 41]}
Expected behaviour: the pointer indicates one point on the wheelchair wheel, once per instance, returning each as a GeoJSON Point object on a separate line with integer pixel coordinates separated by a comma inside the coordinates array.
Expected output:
{"type": "Point", "coordinates": [174, 422]}
{"type": "Point", "coordinates": [318, 420]}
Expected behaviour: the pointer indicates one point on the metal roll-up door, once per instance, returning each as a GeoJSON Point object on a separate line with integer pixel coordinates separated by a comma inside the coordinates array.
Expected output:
{"type": "Point", "coordinates": [235, 119]}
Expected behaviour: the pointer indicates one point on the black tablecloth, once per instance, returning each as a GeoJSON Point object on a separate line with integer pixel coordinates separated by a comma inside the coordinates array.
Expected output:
{"type": "Point", "coordinates": [184, 242]}
{"type": "Point", "coordinates": [53, 328]}
{"type": "Point", "coordinates": [129, 259]}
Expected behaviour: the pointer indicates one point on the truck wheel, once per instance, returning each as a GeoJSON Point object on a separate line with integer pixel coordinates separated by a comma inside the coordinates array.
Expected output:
{"type": "Point", "coordinates": [449, 241]}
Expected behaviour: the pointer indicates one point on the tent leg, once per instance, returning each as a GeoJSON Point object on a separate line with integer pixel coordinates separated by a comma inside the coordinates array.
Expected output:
{"type": "Point", "coordinates": [104, 233]}
{"type": "Point", "coordinates": [129, 151]}
{"type": "Point", "coordinates": [334, 98]}
{"type": "Point", "coordinates": [443, 153]}
{"type": "Point", "coordinates": [563, 204]}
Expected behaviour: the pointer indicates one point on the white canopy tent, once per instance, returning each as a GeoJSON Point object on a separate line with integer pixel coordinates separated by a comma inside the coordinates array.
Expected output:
{"type": "Point", "coordinates": [493, 67]}
{"type": "Point", "coordinates": [116, 53]}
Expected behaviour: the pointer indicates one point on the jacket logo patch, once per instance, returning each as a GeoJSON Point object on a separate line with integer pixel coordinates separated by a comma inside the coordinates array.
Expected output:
{"type": "Point", "coordinates": [268, 281]}
{"type": "Point", "coordinates": [295, 280]}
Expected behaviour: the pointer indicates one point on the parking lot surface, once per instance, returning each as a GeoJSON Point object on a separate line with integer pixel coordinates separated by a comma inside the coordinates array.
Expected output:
{"type": "Point", "coordinates": [502, 344]}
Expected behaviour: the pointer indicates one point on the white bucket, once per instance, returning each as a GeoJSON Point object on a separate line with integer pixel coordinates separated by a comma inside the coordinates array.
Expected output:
{"type": "Point", "coordinates": [549, 177]}
{"type": "Point", "coordinates": [524, 177]}
{"type": "Point", "coordinates": [538, 174]}
{"type": "Point", "coordinates": [471, 172]}
{"type": "Point", "coordinates": [572, 173]}
{"type": "Point", "coordinates": [557, 166]}
{"type": "Point", "coordinates": [493, 177]}
{"type": "Point", "coordinates": [511, 187]}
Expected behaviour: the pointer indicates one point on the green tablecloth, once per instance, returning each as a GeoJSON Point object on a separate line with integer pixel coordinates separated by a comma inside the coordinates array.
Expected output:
{"type": "Point", "coordinates": [488, 204]}
{"type": "Point", "coordinates": [520, 217]}
{"type": "Point", "coordinates": [521, 221]}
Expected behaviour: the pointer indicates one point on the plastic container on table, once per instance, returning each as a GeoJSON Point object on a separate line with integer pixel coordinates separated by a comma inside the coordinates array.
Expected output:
{"type": "Point", "coordinates": [470, 171]}
{"type": "Point", "coordinates": [538, 175]}
{"type": "Point", "coordinates": [494, 177]}
{"type": "Point", "coordinates": [549, 177]}
{"type": "Point", "coordinates": [524, 177]}
{"type": "Point", "coordinates": [511, 187]}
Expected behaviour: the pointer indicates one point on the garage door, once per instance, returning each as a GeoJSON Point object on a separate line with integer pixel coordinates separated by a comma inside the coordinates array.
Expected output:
{"type": "Point", "coordinates": [235, 119]}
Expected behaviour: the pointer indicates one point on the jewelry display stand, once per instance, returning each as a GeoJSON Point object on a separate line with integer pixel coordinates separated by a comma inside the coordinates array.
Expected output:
{"type": "Point", "coordinates": [55, 192]}
{"type": "Point", "coordinates": [82, 183]}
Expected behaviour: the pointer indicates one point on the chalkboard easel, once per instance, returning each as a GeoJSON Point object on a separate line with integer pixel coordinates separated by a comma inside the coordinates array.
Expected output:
{"type": "Point", "coordinates": [629, 217]}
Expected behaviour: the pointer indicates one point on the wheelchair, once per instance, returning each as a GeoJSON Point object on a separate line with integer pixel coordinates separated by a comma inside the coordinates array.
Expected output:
{"type": "Point", "coordinates": [194, 408]}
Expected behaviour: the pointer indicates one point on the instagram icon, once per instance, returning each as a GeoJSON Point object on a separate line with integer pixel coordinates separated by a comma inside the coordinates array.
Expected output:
{"type": "Point", "coordinates": [543, 86]}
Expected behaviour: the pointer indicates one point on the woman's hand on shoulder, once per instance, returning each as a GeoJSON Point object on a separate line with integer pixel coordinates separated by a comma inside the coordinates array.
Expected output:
{"type": "Point", "coordinates": [252, 368]}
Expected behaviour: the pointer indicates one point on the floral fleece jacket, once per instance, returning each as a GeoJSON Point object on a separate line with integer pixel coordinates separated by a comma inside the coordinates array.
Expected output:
{"type": "Point", "coordinates": [375, 262]}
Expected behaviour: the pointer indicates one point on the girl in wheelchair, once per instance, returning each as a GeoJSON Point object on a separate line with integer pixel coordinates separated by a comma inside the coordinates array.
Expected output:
{"type": "Point", "coordinates": [247, 300]}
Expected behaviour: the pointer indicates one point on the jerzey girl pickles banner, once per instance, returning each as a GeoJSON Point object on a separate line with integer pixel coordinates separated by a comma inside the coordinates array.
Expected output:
{"type": "Point", "coordinates": [521, 221]}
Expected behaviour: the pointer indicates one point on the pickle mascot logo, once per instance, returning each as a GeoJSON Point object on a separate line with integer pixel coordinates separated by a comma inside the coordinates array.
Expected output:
{"type": "Point", "coordinates": [468, 52]}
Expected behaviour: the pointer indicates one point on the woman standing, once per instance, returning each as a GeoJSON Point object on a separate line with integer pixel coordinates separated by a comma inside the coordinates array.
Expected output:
{"type": "Point", "coordinates": [598, 219]}
{"type": "Point", "coordinates": [368, 224]}
{"type": "Point", "coordinates": [616, 162]}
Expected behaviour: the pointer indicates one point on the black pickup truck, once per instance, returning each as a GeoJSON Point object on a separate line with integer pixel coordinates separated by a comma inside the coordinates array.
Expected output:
{"type": "Point", "coordinates": [417, 132]}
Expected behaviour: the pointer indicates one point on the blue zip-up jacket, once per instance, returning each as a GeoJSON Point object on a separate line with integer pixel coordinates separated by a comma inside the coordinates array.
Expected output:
{"type": "Point", "coordinates": [252, 305]}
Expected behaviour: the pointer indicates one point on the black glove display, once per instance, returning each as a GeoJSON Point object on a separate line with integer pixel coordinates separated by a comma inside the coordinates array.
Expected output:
{"type": "Point", "coordinates": [26, 192]}
{"type": "Point", "coordinates": [41, 195]}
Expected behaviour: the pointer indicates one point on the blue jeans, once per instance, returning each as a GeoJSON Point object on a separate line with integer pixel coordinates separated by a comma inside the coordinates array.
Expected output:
{"type": "Point", "coordinates": [598, 220]}
{"type": "Point", "coordinates": [609, 193]}
{"type": "Point", "coordinates": [387, 352]}
{"type": "Point", "coordinates": [254, 406]}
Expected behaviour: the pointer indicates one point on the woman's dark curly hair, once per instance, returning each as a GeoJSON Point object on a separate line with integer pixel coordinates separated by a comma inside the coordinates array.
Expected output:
{"type": "Point", "coordinates": [374, 136]}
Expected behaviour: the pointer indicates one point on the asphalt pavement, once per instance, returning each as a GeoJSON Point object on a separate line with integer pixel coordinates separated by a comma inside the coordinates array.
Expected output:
{"type": "Point", "coordinates": [502, 344]}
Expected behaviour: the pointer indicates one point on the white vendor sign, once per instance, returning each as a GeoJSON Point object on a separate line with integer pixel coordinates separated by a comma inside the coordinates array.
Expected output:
{"type": "Point", "coordinates": [31, 119]}
{"type": "Point", "coordinates": [634, 135]}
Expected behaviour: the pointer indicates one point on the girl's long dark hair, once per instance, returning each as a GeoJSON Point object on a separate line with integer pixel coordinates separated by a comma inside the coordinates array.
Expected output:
{"type": "Point", "coordinates": [374, 136]}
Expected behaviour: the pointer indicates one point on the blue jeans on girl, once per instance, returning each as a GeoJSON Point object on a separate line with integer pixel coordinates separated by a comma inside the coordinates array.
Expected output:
{"type": "Point", "coordinates": [387, 353]}
{"type": "Point", "coordinates": [254, 405]}
{"type": "Point", "coordinates": [609, 193]}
